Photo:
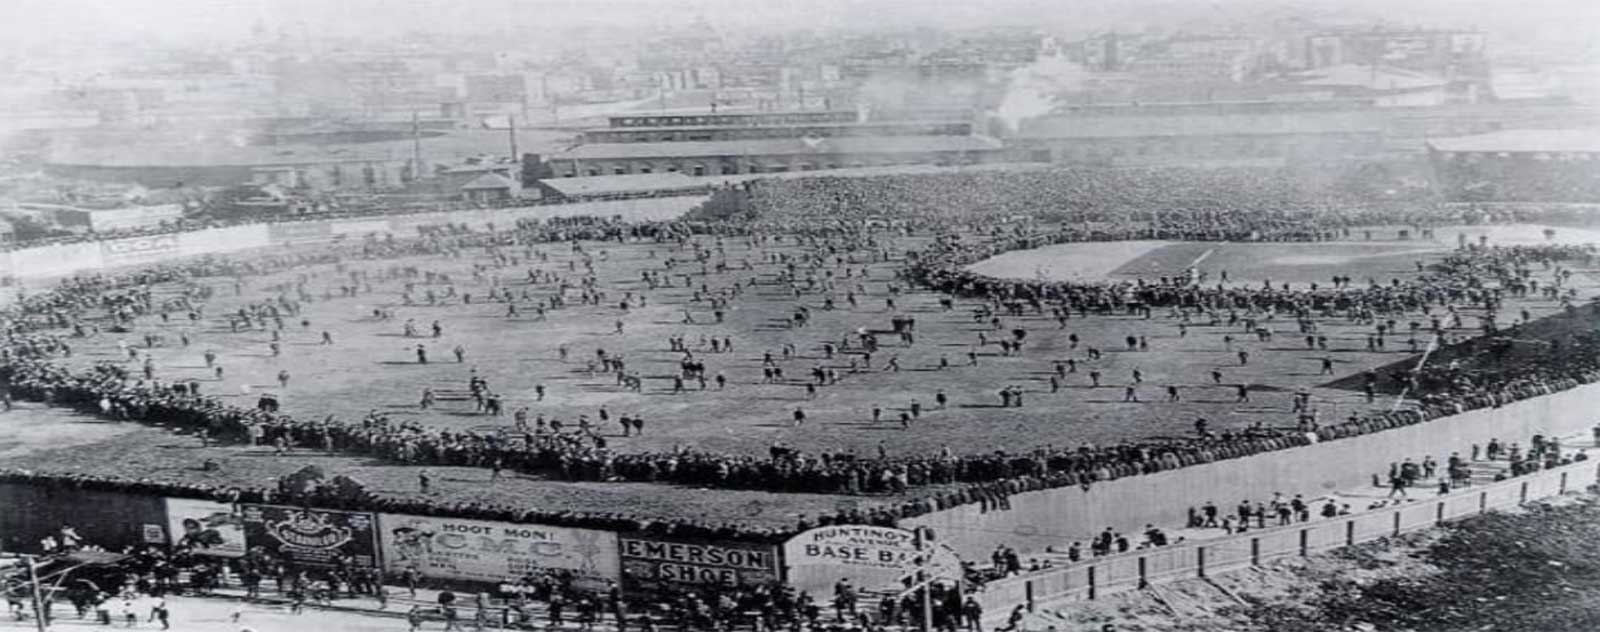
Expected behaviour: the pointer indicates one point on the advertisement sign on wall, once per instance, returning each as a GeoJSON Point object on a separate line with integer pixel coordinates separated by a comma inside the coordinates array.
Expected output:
{"type": "Point", "coordinates": [853, 545]}
{"type": "Point", "coordinates": [51, 261]}
{"type": "Point", "coordinates": [139, 249]}
{"type": "Point", "coordinates": [206, 527]}
{"type": "Point", "coordinates": [230, 239]}
{"type": "Point", "coordinates": [312, 537]}
{"type": "Point", "coordinates": [654, 563]}
{"type": "Point", "coordinates": [871, 557]}
{"type": "Point", "coordinates": [360, 227]}
{"type": "Point", "coordinates": [298, 232]}
{"type": "Point", "coordinates": [476, 550]}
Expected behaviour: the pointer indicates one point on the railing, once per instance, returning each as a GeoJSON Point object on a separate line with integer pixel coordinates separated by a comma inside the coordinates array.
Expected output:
{"type": "Point", "coordinates": [1097, 577]}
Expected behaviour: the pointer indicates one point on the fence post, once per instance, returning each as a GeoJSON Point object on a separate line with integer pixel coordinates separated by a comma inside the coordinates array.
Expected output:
{"type": "Point", "coordinates": [1091, 583]}
{"type": "Point", "coordinates": [1562, 489]}
{"type": "Point", "coordinates": [1397, 522]}
{"type": "Point", "coordinates": [1144, 578]}
{"type": "Point", "coordinates": [1349, 532]}
{"type": "Point", "coordinates": [1305, 541]}
{"type": "Point", "coordinates": [1523, 494]}
{"type": "Point", "coordinates": [1483, 502]}
{"type": "Point", "coordinates": [1200, 560]}
{"type": "Point", "coordinates": [1027, 588]}
{"type": "Point", "coordinates": [1255, 551]}
{"type": "Point", "coordinates": [1438, 513]}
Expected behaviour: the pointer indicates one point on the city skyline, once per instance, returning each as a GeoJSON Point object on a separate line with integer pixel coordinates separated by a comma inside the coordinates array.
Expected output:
{"type": "Point", "coordinates": [193, 22]}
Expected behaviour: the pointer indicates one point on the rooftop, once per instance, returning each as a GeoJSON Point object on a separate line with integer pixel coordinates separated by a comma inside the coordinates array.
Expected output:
{"type": "Point", "coordinates": [1369, 77]}
{"type": "Point", "coordinates": [851, 124]}
{"type": "Point", "coordinates": [1586, 140]}
{"type": "Point", "coordinates": [489, 182]}
{"type": "Point", "coordinates": [628, 183]}
{"type": "Point", "coordinates": [1255, 123]}
{"type": "Point", "coordinates": [729, 111]}
{"type": "Point", "coordinates": [678, 181]}
{"type": "Point", "coordinates": [781, 147]}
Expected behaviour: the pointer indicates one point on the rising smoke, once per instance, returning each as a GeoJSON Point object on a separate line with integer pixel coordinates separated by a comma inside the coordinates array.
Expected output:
{"type": "Point", "coordinates": [1034, 90]}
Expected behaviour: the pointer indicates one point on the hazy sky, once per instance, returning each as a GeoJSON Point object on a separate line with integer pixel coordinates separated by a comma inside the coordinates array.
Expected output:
{"type": "Point", "coordinates": [181, 21]}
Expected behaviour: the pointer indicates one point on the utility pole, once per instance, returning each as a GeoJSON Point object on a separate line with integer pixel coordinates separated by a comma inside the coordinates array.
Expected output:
{"type": "Point", "coordinates": [922, 580]}
{"type": "Point", "coordinates": [38, 600]}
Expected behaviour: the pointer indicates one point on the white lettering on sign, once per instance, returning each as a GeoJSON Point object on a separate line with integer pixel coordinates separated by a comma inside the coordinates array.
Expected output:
{"type": "Point", "coordinates": [878, 547]}
{"type": "Point", "coordinates": [690, 574]}
{"type": "Point", "coordinates": [480, 550]}
{"type": "Point", "coordinates": [704, 554]}
{"type": "Point", "coordinates": [159, 243]}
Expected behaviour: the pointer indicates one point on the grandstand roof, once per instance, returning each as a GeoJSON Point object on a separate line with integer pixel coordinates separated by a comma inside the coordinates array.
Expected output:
{"type": "Point", "coordinates": [1369, 77]}
{"type": "Point", "coordinates": [628, 183]}
{"type": "Point", "coordinates": [677, 181]}
{"type": "Point", "coordinates": [1255, 123]}
{"type": "Point", "coordinates": [781, 146]}
{"type": "Point", "coordinates": [489, 182]}
{"type": "Point", "coordinates": [1586, 140]}
{"type": "Point", "coordinates": [851, 124]}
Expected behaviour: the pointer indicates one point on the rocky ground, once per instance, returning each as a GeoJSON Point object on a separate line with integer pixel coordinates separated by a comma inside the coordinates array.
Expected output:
{"type": "Point", "coordinates": [1535, 569]}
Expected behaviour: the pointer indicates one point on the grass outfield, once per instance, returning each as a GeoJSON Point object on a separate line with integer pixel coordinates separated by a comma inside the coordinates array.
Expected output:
{"type": "Point", "coordinates": [372, 366]}
{"type": "Point", "coordinates": [1296, 264]}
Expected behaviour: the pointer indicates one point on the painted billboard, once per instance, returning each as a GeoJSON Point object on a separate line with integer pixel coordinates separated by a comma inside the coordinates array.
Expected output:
{"type": "Point", "coordinates": [298, 232]}
{"type": "Point", "coordinates": [54, 261]}
{"type": "Point", "coordinates": [206, 527]}
{"type": "Point", "coordinates": [873, 558]}
{"type": "Point", "coordinates": [853, 545]}
{"type": "Point", "coordinates": [312, 537]}
{"type": "Point", "coordinates": [656, 563]}
{"type": "Point", "coordinates": [476, 550]}
{"type": "Point", "coordinates": [359, 228]}
{"type": "Point", "coordinates": [135, 250]}
{"type": "Point", "coordinates": [230, 239]}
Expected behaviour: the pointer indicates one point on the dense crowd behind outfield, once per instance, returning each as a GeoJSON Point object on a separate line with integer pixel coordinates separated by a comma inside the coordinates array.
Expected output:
{"type": "Point", "coordinates": [188, 224]}
{"type": "Point", "coordinates": [1052, 207]}
{"type": "Point", "coordinates": [1261, 197]}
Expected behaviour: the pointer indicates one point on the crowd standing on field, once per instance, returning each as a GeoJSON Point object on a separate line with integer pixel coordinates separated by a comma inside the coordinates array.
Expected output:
{"type": "Point", "coordinates": [840, 224]}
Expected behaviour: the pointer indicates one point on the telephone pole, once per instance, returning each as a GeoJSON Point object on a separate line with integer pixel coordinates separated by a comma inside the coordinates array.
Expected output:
{"type": "Point", "coordinates": [922, 580]}
{"type": "Point", "coordinates": [38, 600]}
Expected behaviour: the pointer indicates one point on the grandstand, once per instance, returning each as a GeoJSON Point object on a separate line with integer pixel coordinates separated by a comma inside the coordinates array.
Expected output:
{"type": "Point", "coordinates": [1526, 165]}
{"type": "Point", "coordinates": [770, 142]}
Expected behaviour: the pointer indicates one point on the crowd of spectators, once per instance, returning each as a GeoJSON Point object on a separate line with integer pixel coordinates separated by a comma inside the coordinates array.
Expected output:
{"type": "Point", "coordinates": [202, 221]}
{"type": "Point", "coordinates": [1227, 199]}
{"type": "Point", "coordinates": [1185, 205]}
{"type": "Point", "coordinates": [1519, 180]}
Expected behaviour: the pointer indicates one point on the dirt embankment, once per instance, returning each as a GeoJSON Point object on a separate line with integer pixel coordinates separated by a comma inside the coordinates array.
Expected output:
{"type": "Point", "coordinates": [1536, 569]}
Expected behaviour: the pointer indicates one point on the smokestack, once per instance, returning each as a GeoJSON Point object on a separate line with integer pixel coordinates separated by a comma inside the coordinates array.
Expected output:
{"type": "Point", "coordinates": [416, 147]}
{"type": "Point", "coordinates": [511, 133]}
